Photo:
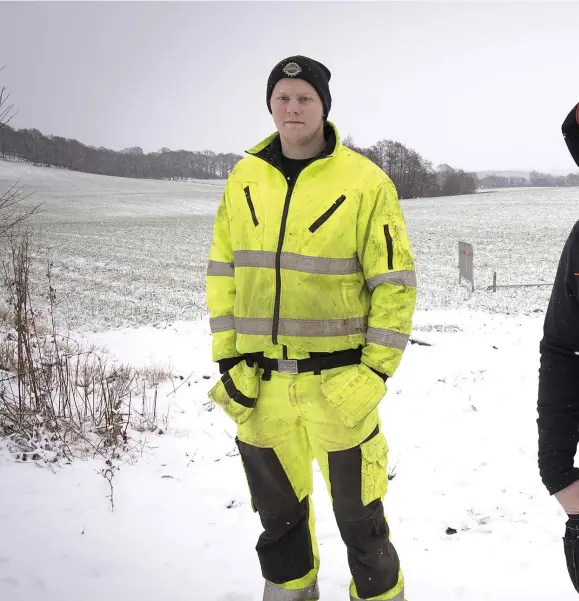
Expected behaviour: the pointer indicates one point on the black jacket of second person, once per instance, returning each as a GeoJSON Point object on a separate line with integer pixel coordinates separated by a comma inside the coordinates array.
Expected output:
{"type": "Point", "coordinates": [570, 129]}
{"type": "Point", "coordinates": [558, 396]}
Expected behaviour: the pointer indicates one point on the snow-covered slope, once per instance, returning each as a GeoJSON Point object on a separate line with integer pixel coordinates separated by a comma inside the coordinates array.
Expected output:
{"type": "Point", "coordinates": [73, 196]}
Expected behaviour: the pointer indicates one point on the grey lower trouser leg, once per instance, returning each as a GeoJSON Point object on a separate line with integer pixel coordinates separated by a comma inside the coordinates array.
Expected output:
{"type": "Point", "coordinates": [271, 592]}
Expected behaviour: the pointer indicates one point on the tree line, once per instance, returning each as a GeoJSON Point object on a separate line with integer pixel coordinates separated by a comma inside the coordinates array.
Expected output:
{"type": "Point", "coordinates": [535, 179]}
{"type": "Point", "coordinates": [56, 151]}
{"type": "Point", "coordinates": [414, 176]}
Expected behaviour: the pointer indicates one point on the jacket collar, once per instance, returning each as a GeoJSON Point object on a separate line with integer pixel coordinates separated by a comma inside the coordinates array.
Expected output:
{"type": "Point", "coordinates": [269, 149]}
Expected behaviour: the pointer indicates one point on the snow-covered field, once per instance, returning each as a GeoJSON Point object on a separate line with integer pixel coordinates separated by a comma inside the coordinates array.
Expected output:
{"type": "Point", "coordinates": [459, 414]}
{"type": "Point", "coordinates": [134, 252]}
{"type": "Point", "coordinates": [125, 251]}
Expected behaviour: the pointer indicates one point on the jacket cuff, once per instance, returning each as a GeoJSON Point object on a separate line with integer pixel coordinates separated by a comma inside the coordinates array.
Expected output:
{"type": "Point", "coordinates": [556, 484]}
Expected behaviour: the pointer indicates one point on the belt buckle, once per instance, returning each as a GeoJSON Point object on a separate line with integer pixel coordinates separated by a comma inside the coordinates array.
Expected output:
{"type": "Point", "coordinates": [287, 366]}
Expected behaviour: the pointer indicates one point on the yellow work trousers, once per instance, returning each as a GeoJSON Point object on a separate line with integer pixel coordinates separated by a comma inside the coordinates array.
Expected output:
{"type": "Point", "coordinates": [290, 424]}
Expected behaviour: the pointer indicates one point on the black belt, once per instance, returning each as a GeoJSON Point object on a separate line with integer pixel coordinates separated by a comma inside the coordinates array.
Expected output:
{"type": "Point", "coordinates": [317, 363]}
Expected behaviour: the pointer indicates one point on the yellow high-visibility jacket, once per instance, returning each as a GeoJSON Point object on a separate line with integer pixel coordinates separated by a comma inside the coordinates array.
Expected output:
{"type": "Point", "coordinates": [323, 266]}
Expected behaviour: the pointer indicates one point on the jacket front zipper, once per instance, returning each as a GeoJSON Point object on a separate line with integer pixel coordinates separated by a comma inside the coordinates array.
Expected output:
{"type": "Point", "coordinates": [277, 301]}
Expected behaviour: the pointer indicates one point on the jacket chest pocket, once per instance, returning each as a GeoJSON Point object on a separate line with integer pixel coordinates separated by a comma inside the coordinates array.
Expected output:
{"type": "Point", "coordinates": [248, 218]}
{"type": "Point", "coordinates": [330, 228]}
{"type": "Point", "coordinates": [317, 224]}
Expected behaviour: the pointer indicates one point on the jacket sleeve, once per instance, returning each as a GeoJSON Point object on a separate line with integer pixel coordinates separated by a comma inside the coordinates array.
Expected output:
{"type": "Point", "coordinates": [220, 285]}
{"type": "Point", "coordinates": [558, 395]}
{"type": "Point", "coordinates": [386, 257]}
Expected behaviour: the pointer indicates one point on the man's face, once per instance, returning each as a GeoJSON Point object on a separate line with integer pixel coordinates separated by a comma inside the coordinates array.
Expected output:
{"type": "Point", "coordinates": [297, 109]}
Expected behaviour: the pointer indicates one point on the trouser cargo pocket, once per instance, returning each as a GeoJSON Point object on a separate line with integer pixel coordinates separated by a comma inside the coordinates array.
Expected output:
{"type": "Point", "coordinates": [353, 392]}
{"type": "Point", "coordinates": [374, 468]}
{"type": "Point", "coordinates": [237, 391]}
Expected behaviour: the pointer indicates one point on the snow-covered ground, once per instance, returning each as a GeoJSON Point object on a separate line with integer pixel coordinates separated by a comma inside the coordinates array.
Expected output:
{"type": "Point", "coordinates": [459, 417]}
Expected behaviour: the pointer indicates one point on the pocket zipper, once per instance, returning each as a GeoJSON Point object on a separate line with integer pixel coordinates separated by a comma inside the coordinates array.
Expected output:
{"type": "Point", "coordinates": [389, 247]}
{"type": "Point", "coordinates": [321, 220]}
{"type": "Point", "coordinates": [251, 207]}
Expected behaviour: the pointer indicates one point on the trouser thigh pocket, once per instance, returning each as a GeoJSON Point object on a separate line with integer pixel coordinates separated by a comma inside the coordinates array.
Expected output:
{"type": "Point", "coordinates": [374, 468]}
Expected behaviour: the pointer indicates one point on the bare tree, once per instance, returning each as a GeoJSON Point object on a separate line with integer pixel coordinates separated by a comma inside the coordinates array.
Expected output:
{"type": "Point", "coordinates": [13, 210]}
{"type": "Point", "coordinates": [7, 112]}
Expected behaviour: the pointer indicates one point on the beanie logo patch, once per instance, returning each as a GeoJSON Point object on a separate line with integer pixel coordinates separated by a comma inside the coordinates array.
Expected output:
{"type": "Point", "coordinates": [292, 69]}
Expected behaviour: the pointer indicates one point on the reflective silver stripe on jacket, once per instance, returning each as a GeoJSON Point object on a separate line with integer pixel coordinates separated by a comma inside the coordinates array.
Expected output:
{"type": "Point", "coordinates": [302, 327]}
{"type": "Point", "coordinates": [254, 258]}
{"type": "Point", "coordinates": [387, 338]}
{"type": "Point", "coordinates": [398, 278]}
{"type": "Point", "coordinates": [310, 328]}
{"type": "Point", "coordinates": [275, 593]}
{"type": "Point", "coordinates": [222, 324]}
{"type": "Point", "coordinates": [296, 262]}
{"type": "Point", "coordinates": [220, 268]}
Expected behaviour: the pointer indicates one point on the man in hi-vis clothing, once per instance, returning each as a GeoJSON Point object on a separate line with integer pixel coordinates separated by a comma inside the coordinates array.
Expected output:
{"type": "Point", "coordinates": [311, 290]}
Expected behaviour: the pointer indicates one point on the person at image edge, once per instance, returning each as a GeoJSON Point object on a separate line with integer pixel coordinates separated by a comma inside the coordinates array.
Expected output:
{"type": "Point", "coordinates": [558, 396]}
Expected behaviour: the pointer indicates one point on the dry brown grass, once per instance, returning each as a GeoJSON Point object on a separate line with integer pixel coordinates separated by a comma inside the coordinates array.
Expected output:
{"type": "Point", "coordinates": [155, 374]}
{"type": "Point", "coordinates": [54, 393]}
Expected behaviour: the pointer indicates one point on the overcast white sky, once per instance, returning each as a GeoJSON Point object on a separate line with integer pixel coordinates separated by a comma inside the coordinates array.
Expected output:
{"type": "Point", "coordinates": [478, 85]}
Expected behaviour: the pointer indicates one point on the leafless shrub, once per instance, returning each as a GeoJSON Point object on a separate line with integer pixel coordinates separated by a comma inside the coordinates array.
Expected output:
{"type": "Point", "coordinates": [56, 395]}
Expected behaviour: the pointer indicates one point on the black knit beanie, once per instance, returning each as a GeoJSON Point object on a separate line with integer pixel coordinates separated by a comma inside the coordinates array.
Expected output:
{"type": "Point", "coordinates": [570, 129]}
{"type": "Point", "coordinates": [308, 69]}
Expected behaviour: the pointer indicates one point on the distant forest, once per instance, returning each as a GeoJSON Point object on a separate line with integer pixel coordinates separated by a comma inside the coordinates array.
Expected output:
{"type": "Point", "coordinates": [414, 176]}
{"type": "Point", "coordinates": [55, 151]}
{"type": "Point", "coordinates": [536, 179]}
